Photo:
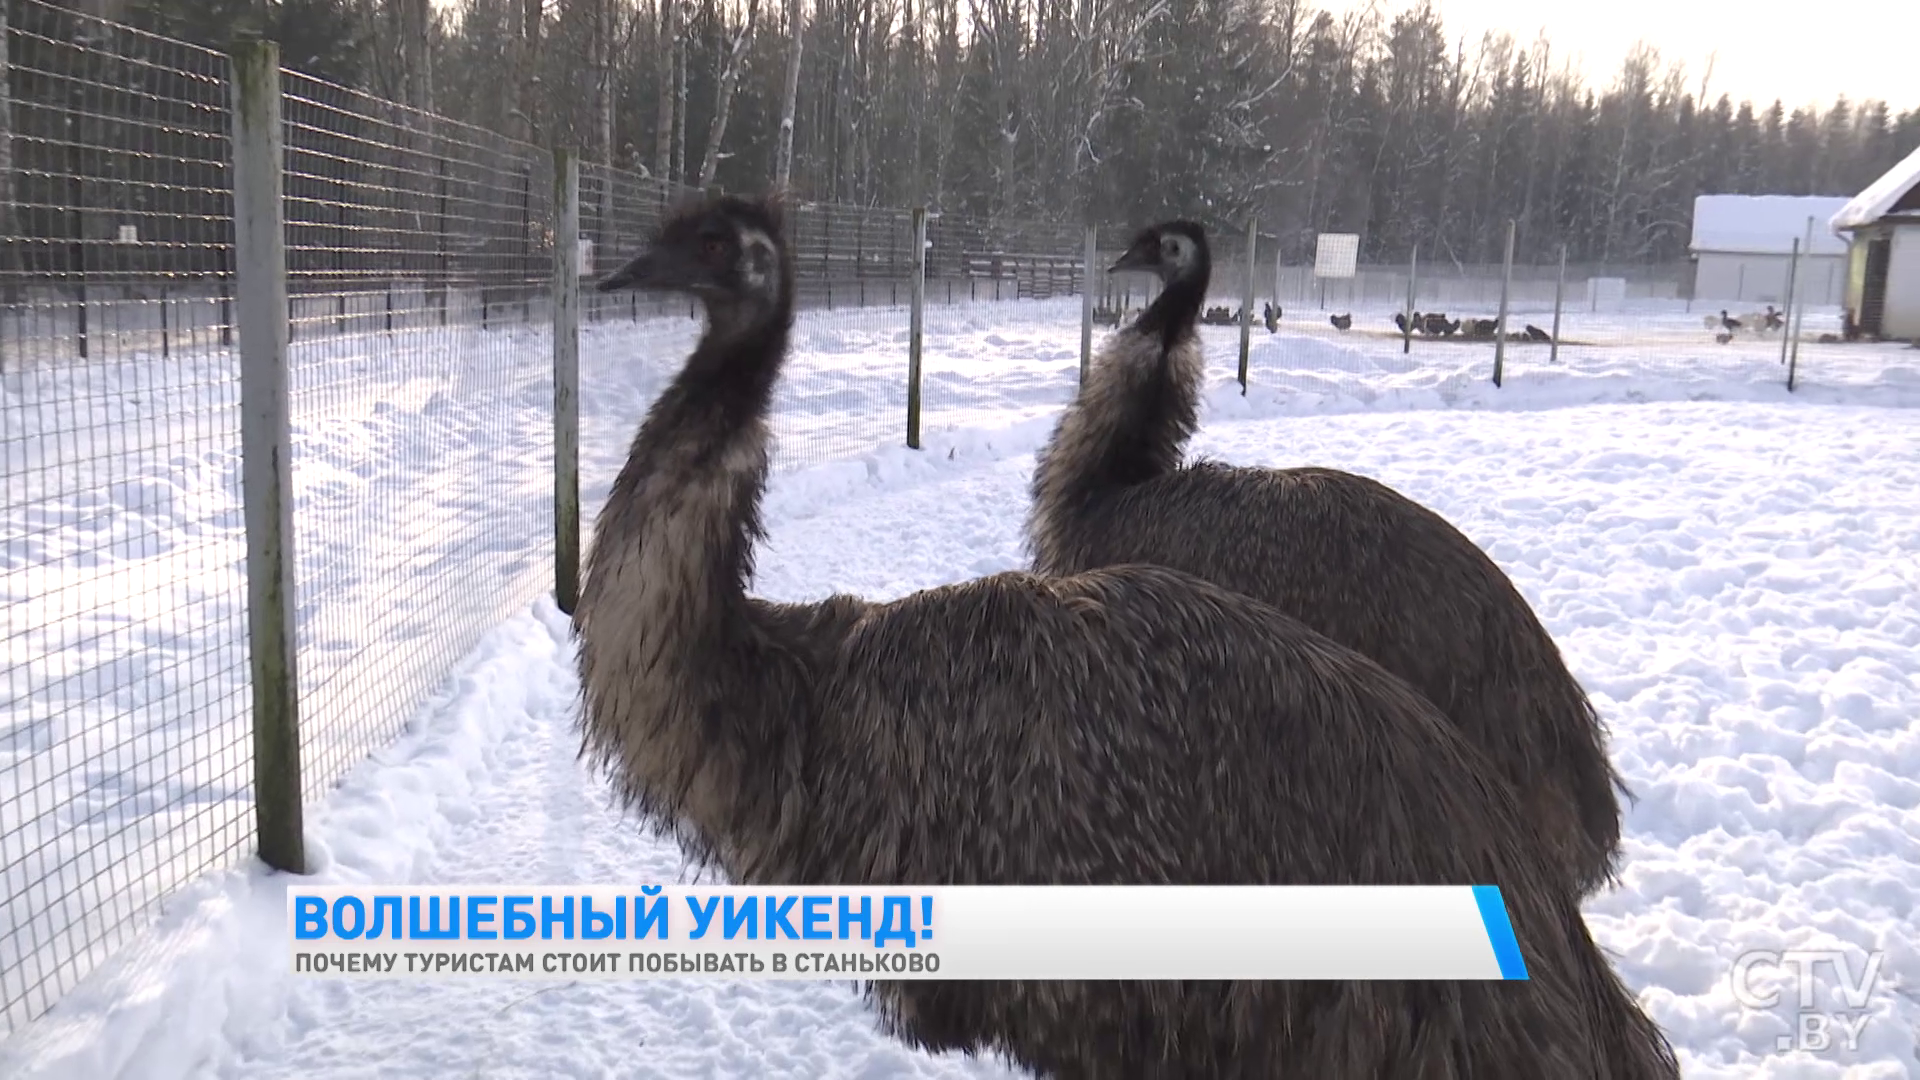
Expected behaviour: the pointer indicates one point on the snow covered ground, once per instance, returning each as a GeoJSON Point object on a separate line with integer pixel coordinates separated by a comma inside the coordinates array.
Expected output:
{"type": "Point", "coordinates": [1730, 568]}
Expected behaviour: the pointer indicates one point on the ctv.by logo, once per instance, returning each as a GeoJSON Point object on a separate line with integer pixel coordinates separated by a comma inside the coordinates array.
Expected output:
{"type": "Point", "coordinates": [1815, 1028]}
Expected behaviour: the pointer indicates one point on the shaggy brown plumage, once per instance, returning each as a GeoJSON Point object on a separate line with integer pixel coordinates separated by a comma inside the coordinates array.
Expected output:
{"type": "Point", "coordinates": [1347, 555]}
{"type": "Point", "coordinates": [1132, 725]}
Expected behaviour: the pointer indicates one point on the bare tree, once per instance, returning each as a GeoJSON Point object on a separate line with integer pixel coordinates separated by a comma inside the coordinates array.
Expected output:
{"type": "Point", "coordinates": [796, 37]}
{"type": "Point", "coordinates": [680, 95]}
{"type": "Point", "coordinates": [664, 101]}
{"type": "Point", "coordinates": [999, 27]}
{"type": "Point", "coordinates": [723, 93]}
{"type": "Point", "coordinates": [944, 93]}
{"type": "Point", "coordinates": [524, 80]}
{"type": "Point", "coordinates": [416, 50]}
{"type": "Point", "coordinates": [604, 34]}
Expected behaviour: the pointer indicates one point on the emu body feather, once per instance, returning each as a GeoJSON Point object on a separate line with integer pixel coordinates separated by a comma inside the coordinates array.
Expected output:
{"type": "Point", "coordinates": [1126, 726]}
{"type": "Point", "coordinates": [1346, 555]}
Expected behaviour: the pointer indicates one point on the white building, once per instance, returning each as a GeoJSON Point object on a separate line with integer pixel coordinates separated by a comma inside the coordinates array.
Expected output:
{"type": "Point", "coordinates": [1743, 246]}
{"type": "Point", "coordinates": [1882, 225]}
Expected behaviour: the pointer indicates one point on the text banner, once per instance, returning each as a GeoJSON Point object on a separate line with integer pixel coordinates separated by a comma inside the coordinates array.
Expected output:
{"type": "Point", "coordinates": [947, 932]}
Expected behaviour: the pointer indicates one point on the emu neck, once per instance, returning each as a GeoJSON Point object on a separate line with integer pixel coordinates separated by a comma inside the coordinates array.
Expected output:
{"type": "Point", "coordinates": [1174, 312]}
{"type": "Point", "coordinates": [1129, 424]}
{"type": "Point", "coordinates": [663, 616]}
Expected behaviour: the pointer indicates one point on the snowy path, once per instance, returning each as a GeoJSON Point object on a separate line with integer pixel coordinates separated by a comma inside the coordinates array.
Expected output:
{"type": "Point", "coordinates": [1736, 583]}
{"type": "Point", "coordinates": [529, 811]}
{"type": "Point", "coordinates": [1731, 569]}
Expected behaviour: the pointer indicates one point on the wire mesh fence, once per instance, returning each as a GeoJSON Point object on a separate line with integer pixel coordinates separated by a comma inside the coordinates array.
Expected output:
{"type": "Point", "coordinates": [1436, 325]}
{"type": "Point", "coordinates": [420, 276]}
{"type": "Point", "coordinates": [630, 342]}
{"type": "Point", "coordinates": [844, 390]}
{"type": "Point", "coordinates": [1002, 319]}
{"type": "Point", "coordinates": [419, 257]}
{"type": "Point", "coordinates": [124, 752]}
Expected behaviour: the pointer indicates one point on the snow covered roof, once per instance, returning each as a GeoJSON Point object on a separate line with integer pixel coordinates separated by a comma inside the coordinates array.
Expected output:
{"type": "Point", "coordinates": [1764, 224]}
{"type": "Point", "coordinates": [1881, 196]}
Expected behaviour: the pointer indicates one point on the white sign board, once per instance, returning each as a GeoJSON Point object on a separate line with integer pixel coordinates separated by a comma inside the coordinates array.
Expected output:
{"type": "Point", "coordinates": [129, 234]}
{"type": "Point", "coordinates": [586, 257]}
{"type": "Point", "coordinates": [1336, 255]}
{"type": "Point", "coordinates": [1606, 294]}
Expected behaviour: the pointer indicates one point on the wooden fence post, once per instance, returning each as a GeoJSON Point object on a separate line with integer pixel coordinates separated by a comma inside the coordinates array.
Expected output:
{"type": "Point", "coordinates": [260, 284]}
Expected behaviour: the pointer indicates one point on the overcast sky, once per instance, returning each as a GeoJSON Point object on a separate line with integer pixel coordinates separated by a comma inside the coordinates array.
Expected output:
{"type": "Point", "coordinates": [1801, 53]}
{"type": "Point", "coordinates": [1798, 51]}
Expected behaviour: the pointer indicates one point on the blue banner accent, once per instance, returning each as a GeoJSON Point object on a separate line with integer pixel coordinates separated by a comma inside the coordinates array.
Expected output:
{"type": "Point", "coordinates": [1506, 949]}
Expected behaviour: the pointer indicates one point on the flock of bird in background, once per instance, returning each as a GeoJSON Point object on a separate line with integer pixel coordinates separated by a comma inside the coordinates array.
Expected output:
{"type": "Point", "coordinates": [1761, 322]}
{"type": "Point", "coordinates": [1209, 675]}
{"type": "Point", "coordinates": [1436, 324]}
{"type": "Point", "coordinates": [1431, 324]}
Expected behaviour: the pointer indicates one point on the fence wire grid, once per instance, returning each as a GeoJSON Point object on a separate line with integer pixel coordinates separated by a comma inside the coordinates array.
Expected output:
{"type": "Point", "coordinates": [419, 259]}
{"type": "Point", "coordinates": [124, 737]}
{"type": "Point", "coordinates": [1435, 325]}
{"type": "Point", "coordinates": [420, 282]}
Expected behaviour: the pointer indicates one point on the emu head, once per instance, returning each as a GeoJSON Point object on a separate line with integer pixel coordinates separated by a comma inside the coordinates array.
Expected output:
{"type": "Point", "coordinates": [1171, 250]}
{"type": "Point", "coordinates": [728, 251]}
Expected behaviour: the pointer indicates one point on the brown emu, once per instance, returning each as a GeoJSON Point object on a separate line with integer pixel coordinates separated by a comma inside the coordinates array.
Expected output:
{"type": "Point", "coordinates": [1347, 555]}
{"type": "Point", "coordinates": [1131, 725]}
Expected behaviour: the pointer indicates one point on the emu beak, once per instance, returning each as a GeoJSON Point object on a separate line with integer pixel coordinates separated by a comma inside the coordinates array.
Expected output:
{"type": "Point", "coordinates": [1138, 257]}
{"type": "Point", "coordinates": [634, 275]}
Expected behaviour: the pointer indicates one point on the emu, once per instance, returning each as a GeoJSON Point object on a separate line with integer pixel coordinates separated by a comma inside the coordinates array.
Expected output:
{"type": "Point", "coordinates": [1345, 554]}
{"type": "Point", "coordinates": [1132, 725]}
{"type": "Point", "coordinates": [1342, 322]}
{"type": "Point", "coordinates": [1534, 333]}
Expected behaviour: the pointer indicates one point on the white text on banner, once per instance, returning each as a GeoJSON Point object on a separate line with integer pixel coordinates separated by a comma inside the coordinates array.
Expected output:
{"type": "Point", "coordinates": [946, 932]}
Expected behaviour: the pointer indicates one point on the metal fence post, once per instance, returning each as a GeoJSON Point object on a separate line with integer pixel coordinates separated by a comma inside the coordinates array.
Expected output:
{"type": "Point", "coordinates": [1276, 275]}
{"type": "Point", "coordinates": [1559, 293]}
{"type": "Point", "coordinates": [526, 262]}
{"type": "Point", "coordinates": [1246, 303]}
{"type": "Point", "coordinates": [1413, 286]}
{"type": "Point", "coordinates": [916, 325]}
{"type": "Point", "coordinates": [566, 378]}
{"type": "Point", "coordinates": [1796, 323]}
{"type": "Point", "coordinates": [1793, 272]}
{"type": "Point", "coordinates": [260, 279]}
{"type": "Point", "coordinates": [1500, 331]}
{"type": "Point", "coordinates": [1086, 301]}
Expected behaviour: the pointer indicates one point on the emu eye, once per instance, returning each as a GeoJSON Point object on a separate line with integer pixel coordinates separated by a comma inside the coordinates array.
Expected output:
{"type": "Point", "coordinates": [713, 247]}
